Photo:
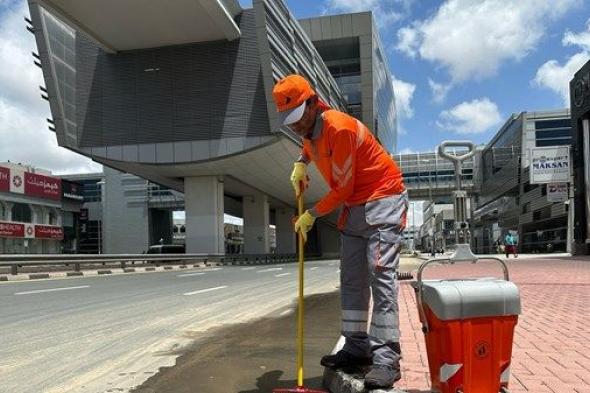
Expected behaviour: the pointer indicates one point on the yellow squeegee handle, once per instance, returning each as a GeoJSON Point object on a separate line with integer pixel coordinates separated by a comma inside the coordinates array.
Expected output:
{"type": "Point", "coordinates": [300, 254]}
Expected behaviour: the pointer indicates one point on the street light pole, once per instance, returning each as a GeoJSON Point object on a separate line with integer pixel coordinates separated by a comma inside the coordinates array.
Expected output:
{"type": "Point", "coordinates": [433, 241]}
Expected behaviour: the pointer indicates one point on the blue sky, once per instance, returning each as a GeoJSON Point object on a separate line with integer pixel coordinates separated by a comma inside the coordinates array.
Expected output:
{"type": "Point", "coordinates": [491, 57]}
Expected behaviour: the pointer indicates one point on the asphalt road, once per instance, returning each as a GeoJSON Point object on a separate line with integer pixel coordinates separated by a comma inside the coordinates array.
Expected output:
{"type": "Point", "coordinates": [111, 333]}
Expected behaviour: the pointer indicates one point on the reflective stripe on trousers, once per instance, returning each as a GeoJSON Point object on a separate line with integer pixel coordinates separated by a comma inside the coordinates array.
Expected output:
{"type": "Point", "coordinates": [371, 241]}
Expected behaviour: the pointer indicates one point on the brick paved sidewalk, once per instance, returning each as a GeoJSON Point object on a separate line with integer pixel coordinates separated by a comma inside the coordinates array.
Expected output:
{"type": "Point", "coordinates": [552, 339]}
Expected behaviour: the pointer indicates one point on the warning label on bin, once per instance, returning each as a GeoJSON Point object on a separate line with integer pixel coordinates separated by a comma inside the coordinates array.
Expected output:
{"type": "Point", "coordinates": [482, 349]}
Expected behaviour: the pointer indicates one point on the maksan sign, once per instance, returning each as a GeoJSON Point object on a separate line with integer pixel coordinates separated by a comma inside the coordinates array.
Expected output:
{"type": "Point", "coordinates": [550, 165]}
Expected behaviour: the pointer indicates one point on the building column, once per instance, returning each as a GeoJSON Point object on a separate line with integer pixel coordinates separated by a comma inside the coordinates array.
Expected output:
{"type": "Point", "coordinates": [203, 197]}
{"type": "Point", "coordinates": [8, 210]}
{"type": "Point", "coordinates": [329, 240]}
{"type": "Point", "coordinates": [59, 218]}
{"type": "Point", "coordinates": [256, 224]}
{"type": "Point", "coordinates": [285, 234]}
{"type": "Point", "coordinates": [37, 214]}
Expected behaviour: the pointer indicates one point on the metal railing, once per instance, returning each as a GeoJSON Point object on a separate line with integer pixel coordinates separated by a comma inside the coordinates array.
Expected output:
{"type": "Point", "coordinates": [14, 261]}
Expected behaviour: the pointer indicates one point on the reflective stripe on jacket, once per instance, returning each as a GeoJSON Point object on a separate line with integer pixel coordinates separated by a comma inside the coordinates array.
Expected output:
{"type": "Point", "coordinates": [355, 166]}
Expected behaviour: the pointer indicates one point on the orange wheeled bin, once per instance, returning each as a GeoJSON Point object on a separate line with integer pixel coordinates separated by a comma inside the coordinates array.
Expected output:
{"type": "Point", "coordinates": [468, 326]}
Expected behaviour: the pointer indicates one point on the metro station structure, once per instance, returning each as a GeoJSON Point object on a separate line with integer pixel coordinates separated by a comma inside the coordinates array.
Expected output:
{"type": "Point", "coordinates": [179, 93]}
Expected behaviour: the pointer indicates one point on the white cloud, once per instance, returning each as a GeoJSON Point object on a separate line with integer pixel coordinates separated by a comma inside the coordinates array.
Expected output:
{"type": "Point", "coordinates": [385, 12]}
{"type": "Point", "coordinates": [22, 111]}
{"type": "Point", "coordinates": [352, 5]}
{"type": "Point", "coordinates": [472, 117]}
{"type": "Point", "coordinates": [554, 76]}
{"type": "Point", "coordinates": [439, 90]}
{"type": "Point", "coordinates": [404, 92]}
{"type": "Point", "coordinates": [408, 41]}
{"type": "Point", "coordinates": [581, 39]}
{"type": "Point", "coordinates": [407, 150]}
{"type": "Point", "coordinates": [472, 39]}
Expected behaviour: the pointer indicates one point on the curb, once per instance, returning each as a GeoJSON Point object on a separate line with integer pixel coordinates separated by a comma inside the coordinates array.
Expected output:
{"type": "Point", "coordinates": [89, 273]}
{"type": "Point", "coordinates": [341, 382]}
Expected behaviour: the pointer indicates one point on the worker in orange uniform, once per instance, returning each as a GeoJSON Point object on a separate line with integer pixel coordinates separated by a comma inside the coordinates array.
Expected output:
{"type": "Point", "coordinates": [367, 182]}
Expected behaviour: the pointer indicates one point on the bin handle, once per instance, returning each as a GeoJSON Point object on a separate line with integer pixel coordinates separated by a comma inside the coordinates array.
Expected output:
{"type": "Point", "coordinates": [450, 261]}
{"type": "Point", "coordinates": [456, 158]}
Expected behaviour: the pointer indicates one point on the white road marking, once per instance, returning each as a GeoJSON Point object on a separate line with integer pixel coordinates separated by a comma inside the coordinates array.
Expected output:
{"type": "Point", "coordinates": [282, 274]}
{"type": "Point", "coordinates": [213, 269]}
{"type": "Point", "coordinates": [52, 290]}
{"type": "Point", "coordinates": [249, 268]}
{"type": "Point", "coordinates": [313, 268]}
{"type": "Point", "coordinates": [272, 269]}
{"type": "Point", "coordinates": [285, 312]}
{"type": "Point", "coordinates": [204, 290]}
{"type": "Point", "coordinates": [190, 274]}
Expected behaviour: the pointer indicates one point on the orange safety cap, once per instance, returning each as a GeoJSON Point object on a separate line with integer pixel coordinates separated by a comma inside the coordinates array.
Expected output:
{"type": "Point", "coordinates": [290, 95]}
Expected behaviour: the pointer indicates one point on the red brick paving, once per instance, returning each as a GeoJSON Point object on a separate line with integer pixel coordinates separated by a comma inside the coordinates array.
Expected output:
{"type": "Point", "coordinates": [551, 350]}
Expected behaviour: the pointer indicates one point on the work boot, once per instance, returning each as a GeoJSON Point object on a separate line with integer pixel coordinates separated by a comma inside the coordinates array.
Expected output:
{"type": "Point", "coordinates": [382, 376]}
{"type": "Point", "coordinates": [345, 361]}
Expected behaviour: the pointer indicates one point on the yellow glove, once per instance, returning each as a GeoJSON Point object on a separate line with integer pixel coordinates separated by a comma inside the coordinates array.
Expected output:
{"type": "Point", "coordinates": [299, 177]}
{"type": "Point", "coordinates": [304, 224]}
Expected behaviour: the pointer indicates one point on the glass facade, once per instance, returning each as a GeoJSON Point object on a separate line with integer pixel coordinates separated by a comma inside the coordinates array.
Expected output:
{"type": "Point", "coordinates": [553, 132]}
{"type": "Point", "coordinates": [91, 190]}
{"type": "Point", "coordinates": [426, 170]}
{"type": "Point", "coordinates": [61, 47]}
{"type": "Point", "coordinates": [342, 57]}
{"type": "Point", "coordinates": [503, 151]}
{"type": "Point", "coordinates": [385, 117]}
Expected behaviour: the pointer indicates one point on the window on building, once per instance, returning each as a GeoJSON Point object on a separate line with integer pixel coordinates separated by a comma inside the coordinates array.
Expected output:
{"type": "Point", "coordinates": [52, 218]}
{"type": "Point", "coordinates": [542, 214]}
{"type": "Point", "coordinates": [21, 212]}
{"type": "Point", "coordinates": [553, 132]}
{"type": "Point", "coordinates": [544, 190]}
{"type": "Point", "coordinates": [526, 208]}
{"type": "Point", "coordinates": [2, 212]}
{"type": "Point", "coordinates": [528, 187]}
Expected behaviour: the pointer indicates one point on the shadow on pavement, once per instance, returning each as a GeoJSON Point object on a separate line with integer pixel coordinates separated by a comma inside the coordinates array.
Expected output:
{"type": "Point", "coordinates": [272, 379]}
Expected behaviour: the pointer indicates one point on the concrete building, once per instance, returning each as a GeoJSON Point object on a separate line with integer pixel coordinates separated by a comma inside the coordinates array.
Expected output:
{"type": "Point", "coordinates": [580, 107]}
{"type": "Point", "coordinates": [38, 211]}
{"type": "Point", "coordinates": [350, 47]}
{"type": "Point", "coordinates": [179, 93]}
{"type": "Point", "coordinates": [438, 226]}
{"type": "Point", "coordinates": [504, 198]}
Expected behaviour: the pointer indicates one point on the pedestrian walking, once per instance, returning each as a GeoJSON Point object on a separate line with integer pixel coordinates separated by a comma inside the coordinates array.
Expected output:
{"type": "Point", "coordinates": [510, 245]}
{"type": "Point", "coordinates": [367, 183]}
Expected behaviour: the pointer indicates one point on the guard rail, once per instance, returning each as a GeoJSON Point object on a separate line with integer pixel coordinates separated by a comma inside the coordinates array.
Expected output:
{"type": "Point", "coordinates": [14, 261]}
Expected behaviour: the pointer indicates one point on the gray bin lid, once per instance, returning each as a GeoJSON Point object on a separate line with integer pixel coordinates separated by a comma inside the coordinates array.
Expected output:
{"type": "Point", "coordinates": [471, 298]}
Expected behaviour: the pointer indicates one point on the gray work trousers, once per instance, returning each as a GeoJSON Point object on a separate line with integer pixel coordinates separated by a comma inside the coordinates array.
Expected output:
{"type": "Point", "coordinates": [371, 241]}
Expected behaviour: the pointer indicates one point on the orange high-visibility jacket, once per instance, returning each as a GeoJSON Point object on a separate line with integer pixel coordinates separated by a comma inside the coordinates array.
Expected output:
{"type": "Point", "coordinates": [355, 166]}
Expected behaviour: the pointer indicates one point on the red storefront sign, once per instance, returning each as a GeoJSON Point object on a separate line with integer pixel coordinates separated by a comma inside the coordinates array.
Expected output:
{"type": "Point", "coordinates": [4, 179]}
{"type": "Point", "coordinates": [42, 186]}
{"type": "Point", "coordinates": [10, 229]}
{"type": "Point", "coordinates": [48, 232]}
{"type": "Point", "coordinates": [30, 231]}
